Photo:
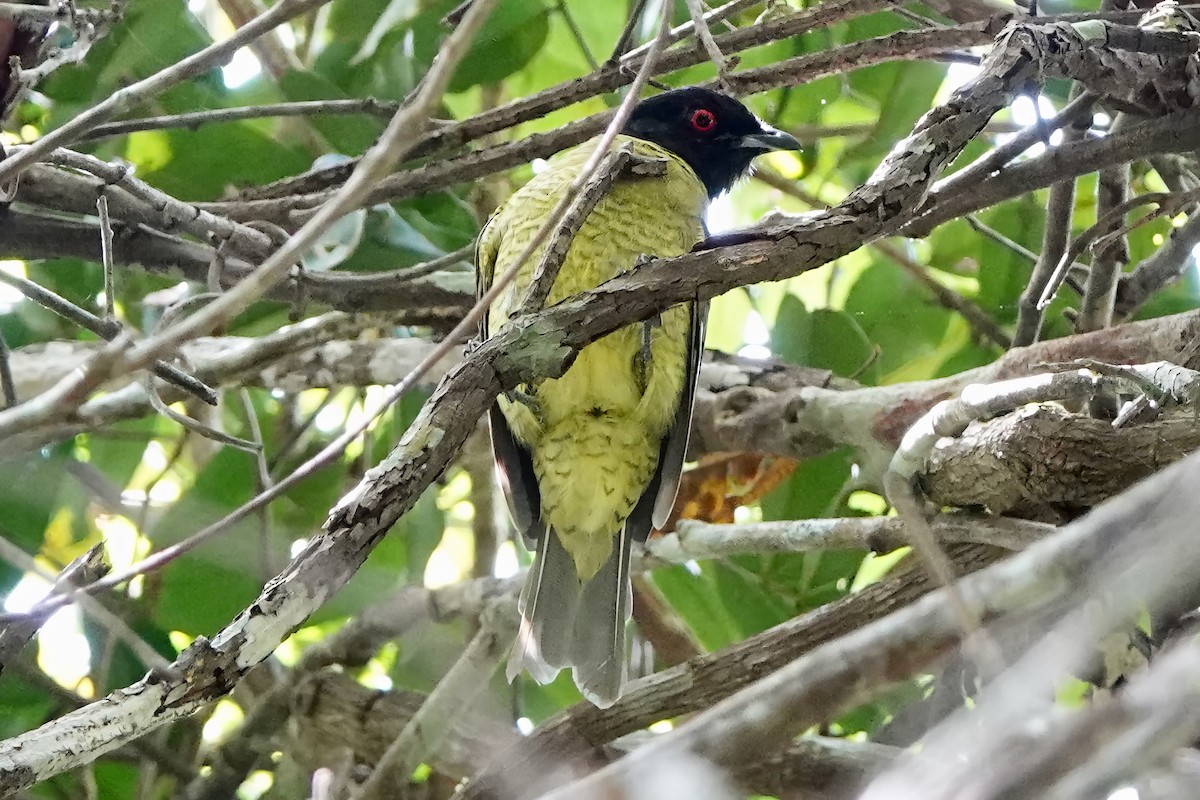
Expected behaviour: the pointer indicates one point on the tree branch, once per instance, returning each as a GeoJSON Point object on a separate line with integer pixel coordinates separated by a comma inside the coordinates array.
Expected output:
{"type": "Point", "coordinates": [537, 346]}
{"type": "Point", "coordinates": [858, 667]}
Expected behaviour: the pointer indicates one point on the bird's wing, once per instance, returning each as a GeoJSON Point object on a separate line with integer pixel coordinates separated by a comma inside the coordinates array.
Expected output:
{"type": "Point", "coordinates": [513, 460]}
{"type": "Point", "coordinates": [654, 506]}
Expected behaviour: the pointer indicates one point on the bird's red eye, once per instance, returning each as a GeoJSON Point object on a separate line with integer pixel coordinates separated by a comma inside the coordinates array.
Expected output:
{"type": "Point", "coordinates": [703, 120]}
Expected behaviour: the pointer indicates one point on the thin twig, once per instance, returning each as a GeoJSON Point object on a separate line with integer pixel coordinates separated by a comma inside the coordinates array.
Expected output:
{"type": "Point", "coordinates": [1100, 291]}
{"type": "Point", "coordinates": [976, 317]}
{"type": "Point", "coordinates": [159, 405]}
{"type": "Point", "coordinates": [135, 93]}
{"type": "Point", "coordinates": [463, 255]}
{"type": "Point", "coordinates": [1167, 264]}
{"type": "Point", "coordinates": [107, 330]}
{"type": "Point", "coordinates": [1000, 239]}
{"type": "Point", "coordinates": [696, 9]}
{"type": "Point", "coordinates": [994, 161]}
{"type": "Point", "coordinates": [171, 213]}
{"type": "Point", "coordinates": [7, 385]}
{"type": "Point", "coordinates": [1059, 210]}
{"type": "Point", "coordinates": [695, 540]}
{"type": "Point", "coordinates": [1168, 203]}
{"type": "Point", "coordinates": [118, 627]}
{"type": "Point", "coordinates": [194, 119]}
{"type": "Point", "coordinates": [626, 37]}
{"type": "Point", "coordinates": [106, 258]}
{"type": "Point", "coordinates": [454, 694]}
{"type": "Point", "coordinates": [15, 634]}
{"type": "Point", "coordinates": [565, 11]}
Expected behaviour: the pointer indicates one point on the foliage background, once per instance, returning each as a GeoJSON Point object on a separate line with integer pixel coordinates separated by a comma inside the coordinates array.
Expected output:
{"type": "Point", "coordinates": [146, 483]}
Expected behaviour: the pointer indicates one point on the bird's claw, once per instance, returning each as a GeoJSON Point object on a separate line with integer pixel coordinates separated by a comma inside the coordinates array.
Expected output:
{"type": "Point", "coordinates": [520, 397]}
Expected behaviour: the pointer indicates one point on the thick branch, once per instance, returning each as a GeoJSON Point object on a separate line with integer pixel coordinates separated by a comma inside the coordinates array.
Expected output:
{"type": "Point", "coordinates": [529, 348]}
{"type": "Point", "coordinates": [1047, 463]}
{"type": "Point", "coordinates": [572, 734]}
{"type": "Point", "coordinates": [860, 666]}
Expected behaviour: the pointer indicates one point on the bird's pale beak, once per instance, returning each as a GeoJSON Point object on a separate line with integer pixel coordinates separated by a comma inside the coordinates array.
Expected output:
{"type": "Point", "coordinates": [769, 139]}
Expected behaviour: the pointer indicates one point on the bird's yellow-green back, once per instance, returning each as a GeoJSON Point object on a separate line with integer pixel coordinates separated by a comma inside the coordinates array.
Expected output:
{"type": "Point", "coordinates": [594, 434]}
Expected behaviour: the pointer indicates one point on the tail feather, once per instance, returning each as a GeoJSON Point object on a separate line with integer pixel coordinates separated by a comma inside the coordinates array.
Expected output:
{"type": "Point", "coordinates": [598, 644]}
{"type": "Point", "coordinates": [566, 624]}
{"type": "Point", "coordinates": [547, 605]}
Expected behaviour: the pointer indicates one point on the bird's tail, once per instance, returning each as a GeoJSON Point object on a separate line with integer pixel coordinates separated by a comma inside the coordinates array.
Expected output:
{"type": "Point", "coordinates": [566, 622]}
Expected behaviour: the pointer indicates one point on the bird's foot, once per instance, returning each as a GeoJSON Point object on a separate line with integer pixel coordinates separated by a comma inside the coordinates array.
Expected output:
{"type": "Point", "coordinates": [524, 398]}
{"type": "Point", "coordinates": [642, 260]}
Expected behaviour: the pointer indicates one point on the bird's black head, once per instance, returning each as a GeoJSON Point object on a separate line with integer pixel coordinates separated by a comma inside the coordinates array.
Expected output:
{"type": "Point", "coordinates": [716, 135]}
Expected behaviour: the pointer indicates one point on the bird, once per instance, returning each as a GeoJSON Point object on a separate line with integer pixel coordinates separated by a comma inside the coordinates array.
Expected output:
{"type": "Point", "coordinates": [590, 462]}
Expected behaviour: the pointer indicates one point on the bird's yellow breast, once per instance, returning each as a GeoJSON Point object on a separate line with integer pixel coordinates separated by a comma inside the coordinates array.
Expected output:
{"type": "Point", "coordinates": [594, 433]}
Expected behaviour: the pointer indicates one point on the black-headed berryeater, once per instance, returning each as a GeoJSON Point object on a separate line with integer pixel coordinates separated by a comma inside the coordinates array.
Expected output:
{"type": "Point", "coordinates": [590, 461]}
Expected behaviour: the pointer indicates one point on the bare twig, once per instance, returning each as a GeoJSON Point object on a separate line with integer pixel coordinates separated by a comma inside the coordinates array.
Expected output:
{"type": "Point", "coordinates": [65, 581]}
{"type": "Point", "coordinates": [7, 386]}
{"type": "Point", "coordinates": [106, 258]}
{"type": "Point", "coordinates": [696, 9]}
{"type": "Point", "coordinates": [576, 33]}
{"type": "Point", "coordinates": [129, 96]}
{"type": "Point", "coordinates": [1073, 114]}
{"type": "Point", "coordinates": [1172, 133]}
{"type": "Point", "coordinates": [14, 635]}
{"type": "Point", "coordinates": [108, 329]}
{"type": "Point", "coordinates": [626, 38]}
{"type": "Point", "coordinates": [455, 693]}
{"type": "Point", "coordinates": [1167, 202]}
{"type": "Point", "coordinates": [1100, 292]}
{"type": "Point", "coordinates": [1164, 266]}
{"type": "Point", "coordinates": [194, 119]}
{"type": "Point", "coordinates": [1060, 210]}
{"type": "Point", "coordinates": [166, 212]}
{"type": "Point", "coordinates": [694, 540]}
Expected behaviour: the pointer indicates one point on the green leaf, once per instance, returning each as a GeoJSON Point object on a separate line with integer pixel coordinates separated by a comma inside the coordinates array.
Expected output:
{"type": "Point", "coordinates": [744, 597]}
{"type": "Point", "coordinates": [824, 338]}
{"type": "Point", "coordinates": [30, 489]}
{"type": "Point", "coordinates": [905, 92]}
{"type": "Point", "coordinates": [696, 600]}
{"type": "Point", "coordinates": [899, 316]}
{"type": "Point", "coordinates": [346, 133]}
{"type": "Point", "coordinates": [515, 31]}
{"type": "Point", "coordinates": [202, 590]}
{"type": "Point", "coordinates": [118, 456]}
{"type": "Point", "coordinates": [811, 489]}
{"type": "Point", "coordinates": [22, 706]}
